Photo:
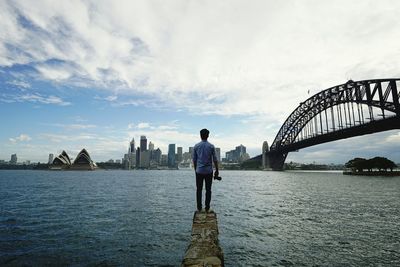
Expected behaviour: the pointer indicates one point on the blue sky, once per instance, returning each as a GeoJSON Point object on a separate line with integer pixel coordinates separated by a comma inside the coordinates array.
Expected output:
{"type": "Point", "coordinates": [94, 74]}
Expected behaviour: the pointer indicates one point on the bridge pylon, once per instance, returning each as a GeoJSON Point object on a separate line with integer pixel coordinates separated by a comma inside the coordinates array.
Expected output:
{"type": "Point", "coordinates": [276, 160]}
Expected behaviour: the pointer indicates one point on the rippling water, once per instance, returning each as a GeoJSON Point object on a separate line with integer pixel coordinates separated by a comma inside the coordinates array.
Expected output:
{"type": "Point", "coordinates": [143, 218]}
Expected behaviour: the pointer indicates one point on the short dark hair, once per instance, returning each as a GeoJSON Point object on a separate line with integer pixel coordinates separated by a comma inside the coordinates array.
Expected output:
{"type": "Point", "coordinates": [204, 133]}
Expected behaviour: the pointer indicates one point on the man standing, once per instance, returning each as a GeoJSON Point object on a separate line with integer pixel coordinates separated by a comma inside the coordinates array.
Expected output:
{"type": "Point", "coordinates": [203, 157]}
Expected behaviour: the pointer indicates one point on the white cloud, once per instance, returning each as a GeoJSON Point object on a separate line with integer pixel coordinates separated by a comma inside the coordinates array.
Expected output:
{"type": "Point", "coordinates": [143, 125]}
{"type": "Point", "coordinates": [20, 138]}
{"type": "Point", "coordinates": [225, 57]}
{"type": "Point", "coordinates": [256, 58]}
{"type": "Point", "coordinates": [74, 126]}
{"type": "Point", "coordinates": [34, 98]}
{"type": "Point", "coordinates": [20, 84]}
{"type": "Point", "coordinates": [111, 98]}
{"type": "Point", "coordinates": [53, 73]}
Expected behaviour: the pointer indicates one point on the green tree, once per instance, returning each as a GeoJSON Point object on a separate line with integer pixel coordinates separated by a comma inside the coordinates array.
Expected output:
{"type": "Point", "coordinates": [382, 164]}
{"type": "Point", "coordinates": [358, 164]}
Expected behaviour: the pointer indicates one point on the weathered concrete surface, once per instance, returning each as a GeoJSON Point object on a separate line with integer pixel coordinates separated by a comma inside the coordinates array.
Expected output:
{"type": "Point", "coordinates": [204, 249]}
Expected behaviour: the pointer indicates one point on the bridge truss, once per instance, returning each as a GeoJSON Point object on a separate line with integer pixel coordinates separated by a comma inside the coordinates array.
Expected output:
{"type": "Point", "coordinates": [351, 109]}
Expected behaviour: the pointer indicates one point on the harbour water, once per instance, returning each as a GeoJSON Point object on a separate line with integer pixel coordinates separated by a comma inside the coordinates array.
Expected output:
{"type": "Point", "coordinates": [144, 218]}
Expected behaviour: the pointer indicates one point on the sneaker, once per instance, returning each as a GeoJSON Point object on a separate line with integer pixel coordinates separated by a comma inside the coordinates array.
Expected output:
{"type": "Point", "coordinates": [209, 210]}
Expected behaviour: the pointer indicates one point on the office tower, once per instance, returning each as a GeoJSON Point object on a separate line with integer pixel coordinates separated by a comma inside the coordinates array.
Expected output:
{"type": "Point", "coordinates": [144, 159]}
{"type": "Point", "coordinates": [138, 157]}
{"type": "Point", "coordinates": [126, 161]}
{"type": "Point", "coordinates": [240, 150]}
{"type": "Point", "coordinates": [51, 158]}
{"type": "Point", "coordinates": [186, 157]}
{"type": "Point", "coordinates": [171, 155]}
{"type": "Point", "coordinates": [13, 159]}
{"type": "Point", "coordinates": [151, 146]}
{"type": "Point", "coordinates": [218, 153]}
{"type": "Point", "coordinates": [164, 160]}
{"type": "Point", "coordinates": [156, 156]}
{"type": "Point", "coordinates": [179, 157]}
{"type": "Point", "coordinates": [132, 146]}
{"type": "Point", "coordinates": [191, 151]}
{"type": "Point", "coordinates": [143, 143]}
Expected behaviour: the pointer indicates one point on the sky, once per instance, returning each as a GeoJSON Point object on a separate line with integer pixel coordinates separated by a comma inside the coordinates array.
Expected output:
{"type": "Point", "coordinates": [95, 74]}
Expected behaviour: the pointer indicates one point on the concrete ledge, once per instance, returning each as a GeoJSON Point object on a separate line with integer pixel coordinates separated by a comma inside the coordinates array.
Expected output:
{"type": "Point", "coordinates": [204, 249]}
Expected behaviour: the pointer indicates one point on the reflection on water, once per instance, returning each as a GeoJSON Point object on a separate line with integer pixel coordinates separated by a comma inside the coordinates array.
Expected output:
{"type": "Point", "coordinates": [143, 218]}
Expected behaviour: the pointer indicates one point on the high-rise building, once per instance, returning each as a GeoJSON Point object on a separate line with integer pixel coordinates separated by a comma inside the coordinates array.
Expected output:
{"type": "Point", "coordinates": [191, 151]}
{"type": "Point", "coordinates": [14, 159]}
{"type": "Point", "coordinates": [156, 156]}
{"type": "Point", "coordinates": [144, 159]}
{"type": "Point", "coordinates": [171, 156]}
{"type": "Point", "coordinates": [164, 160]}
{"type": "Point", "coordinates": [143, 143]}
{"type": "Point", "coordinates": [237, 155]}
{"type": "Point", "coordinates": [179, 156]}
{"type": "Point", "coordinates": [126, 161]}
{"type": "Point", "coordinates": [218, 153]}
{"type": "Point", "coordinates": [240, 150]}
{"type": "Point", "coordinates": [186, 156]}
{"type": "Point", "coordinates": [132, 148]}
{"type": "Point", "coordinates": [51, 158]}
{"type": "Point", "coordinates": [138, 157]}
{"type": "Point", "coordinates": [151, 146]}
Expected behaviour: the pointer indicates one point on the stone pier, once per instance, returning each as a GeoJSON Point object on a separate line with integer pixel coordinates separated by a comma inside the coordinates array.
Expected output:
{"type": "Point", "coordinates": [204, 249]}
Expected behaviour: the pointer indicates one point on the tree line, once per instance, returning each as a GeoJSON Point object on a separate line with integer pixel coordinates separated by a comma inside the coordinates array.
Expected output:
{"type": "Point", "coordinates": [361, 164]}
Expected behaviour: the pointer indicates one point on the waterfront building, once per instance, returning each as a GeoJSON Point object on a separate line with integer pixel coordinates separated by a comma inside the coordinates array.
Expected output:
{"type": "Point", "coordinates": [83, 161]}
{"type": "Point", "coordinates": [118, 161]}
{"type": "Point", "coordinates": [13, 159]}
{"type": "Point", "coordinates": [191, 151]}
{"type": "Point", "coordinates": [51, 158]}
{"type": "Point", "coordinates": [237, 155]}
{"type": "Point", "coordinates": [62, 161]}
{"type": "Point", "coordinates": [240, 150]}
{"type": "Point", "coordinates": [156, 156]}
{"type": "Point", "coordinates": [132, 160]}
{"type": "Point", "coordinates": [132, 148]}
{"type": "Point", "coordinates": [151, 146]}
{"type": "Point", "coordinates": [164, 160]}
{"type": "Point", "coordinates": [179, 155]}
{"type": "Point", "coordinates": [171, 156]}
{"type": "Point", "coordinates": [143, 143]}
{"type": "Point", "coordinates": [126, 161]}
{"type": "Point", "coordinates": [218, 153]}
{"type": "Point", "coordinates": [186, 156]}
{"type": "Point", "coordinates": [137, 157]}
{"type": "Point", "coordinates": [144, 159]}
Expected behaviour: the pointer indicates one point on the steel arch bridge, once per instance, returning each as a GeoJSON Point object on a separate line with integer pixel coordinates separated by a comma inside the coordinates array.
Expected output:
{"type": "Point", "coordinates": [347, 110]}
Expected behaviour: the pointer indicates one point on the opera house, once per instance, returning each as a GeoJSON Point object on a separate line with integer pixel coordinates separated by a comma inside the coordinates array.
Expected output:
{"type": "Point", "coordinates": [81, 162]}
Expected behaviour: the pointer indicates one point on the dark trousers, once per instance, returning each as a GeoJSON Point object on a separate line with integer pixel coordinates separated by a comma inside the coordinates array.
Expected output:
{"type": "Point", "coordinates": [199, 185]}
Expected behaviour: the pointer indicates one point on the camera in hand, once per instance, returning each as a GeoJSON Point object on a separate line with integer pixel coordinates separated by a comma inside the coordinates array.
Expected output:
{"type": "Point", "coordinates": [219, 178]}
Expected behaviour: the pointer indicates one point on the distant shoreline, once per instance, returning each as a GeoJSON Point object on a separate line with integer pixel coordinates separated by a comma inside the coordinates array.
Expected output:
{"type": "Point", "coordinates": [372, 173]}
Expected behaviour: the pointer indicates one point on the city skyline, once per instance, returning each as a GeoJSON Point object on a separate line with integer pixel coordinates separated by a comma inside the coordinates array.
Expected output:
{"type": "Point", "coordinates": [79, 74]}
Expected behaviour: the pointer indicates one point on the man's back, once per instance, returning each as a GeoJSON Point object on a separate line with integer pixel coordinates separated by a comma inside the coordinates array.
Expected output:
{"type": "Point", "coordinates": [203, 156]}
